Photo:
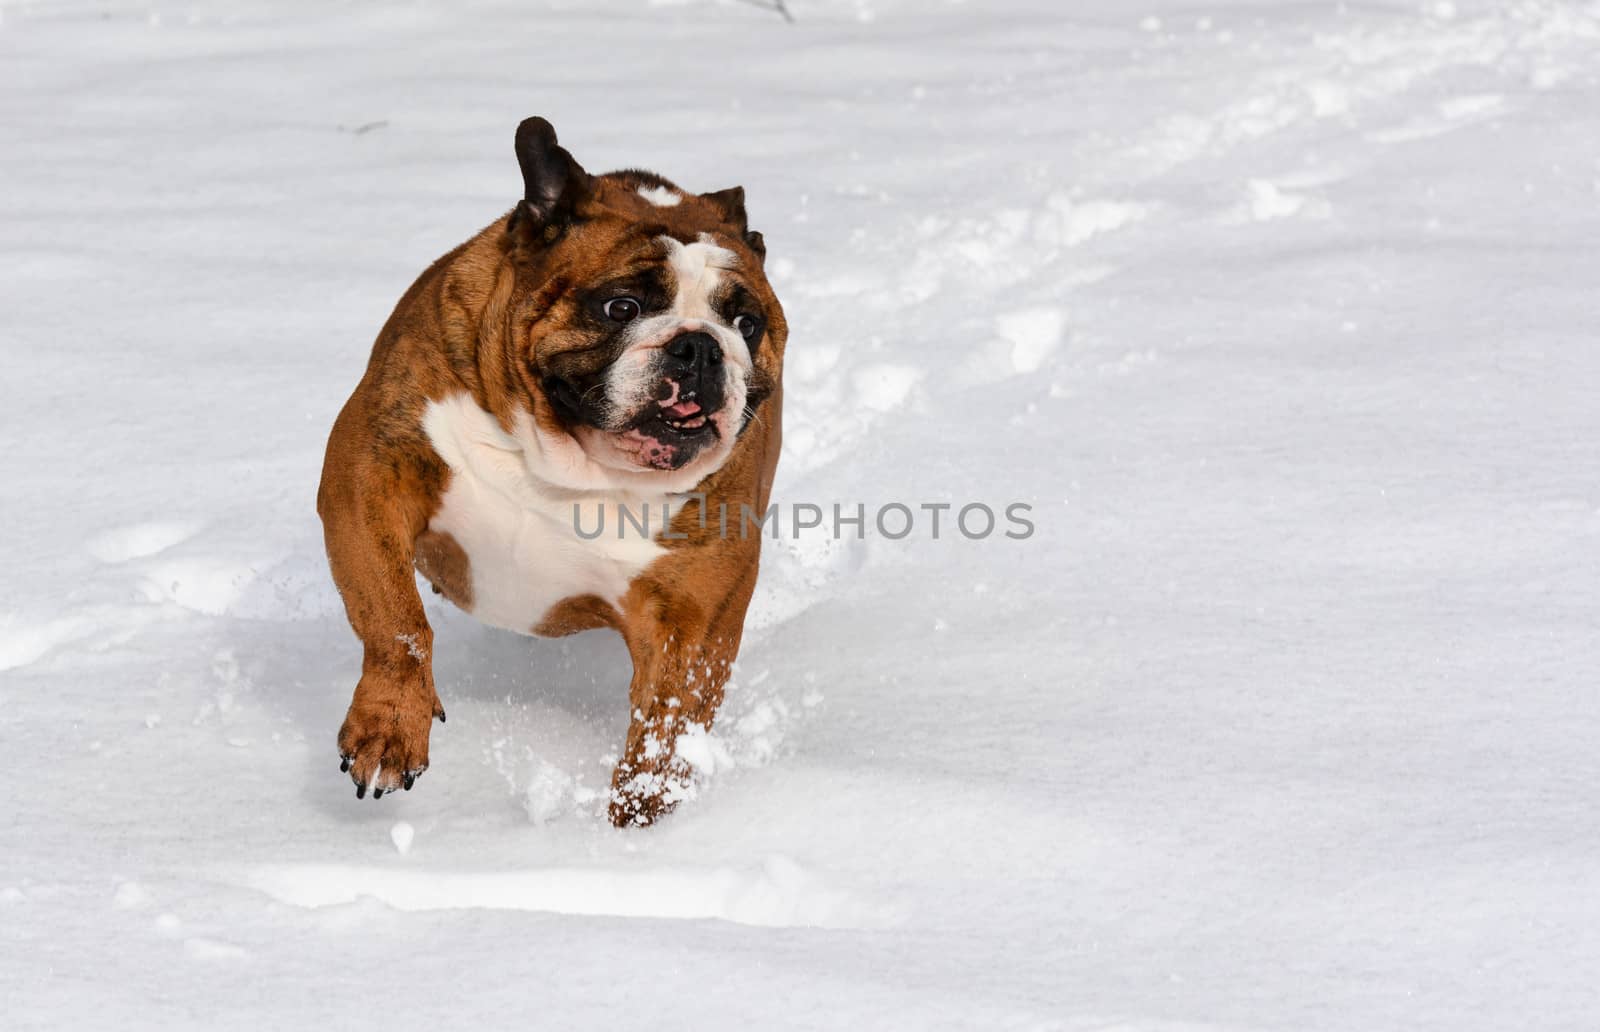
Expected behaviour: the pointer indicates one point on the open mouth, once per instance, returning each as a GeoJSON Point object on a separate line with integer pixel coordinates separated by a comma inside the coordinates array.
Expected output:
{"type": "Point", "coordinates": [669, 436]}
{"type": "Point", "coordinates": [683, 422]}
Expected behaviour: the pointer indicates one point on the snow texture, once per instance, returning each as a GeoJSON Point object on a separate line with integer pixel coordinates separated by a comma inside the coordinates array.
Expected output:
{"type": "Point", "coordinates": [1282, 317]}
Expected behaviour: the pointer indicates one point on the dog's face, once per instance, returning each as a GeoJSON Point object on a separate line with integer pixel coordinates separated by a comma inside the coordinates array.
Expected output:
{"type": "Point", "coordinates": [651, 333]}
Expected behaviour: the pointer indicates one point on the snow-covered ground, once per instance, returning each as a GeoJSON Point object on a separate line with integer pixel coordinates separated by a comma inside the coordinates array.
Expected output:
{"type": "Point", "coordinates": [1284, 317]}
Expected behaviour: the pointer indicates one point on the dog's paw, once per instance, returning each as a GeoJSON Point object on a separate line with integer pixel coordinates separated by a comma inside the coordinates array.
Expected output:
{"type": "Point", "coordinates": [642, 810]}
{"type": "Point", "coordinates": [631, 809]}
{"type": "Point", "coordinates": [383, 746]}
{"type": "Point", "coordinates": [646, 789]}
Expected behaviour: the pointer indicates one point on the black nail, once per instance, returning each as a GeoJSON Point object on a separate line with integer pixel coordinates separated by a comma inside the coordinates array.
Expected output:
{"type": "Point", "coordinates": [411, 779]}
{"type": "Point", "coordinates": [377, 793]}
{"type": "Point", "coordinates": [361, 791]}
{"type": "Point", "coordinates": [441, 716]}
{"type": "Point", "coordinates": [344, 765]}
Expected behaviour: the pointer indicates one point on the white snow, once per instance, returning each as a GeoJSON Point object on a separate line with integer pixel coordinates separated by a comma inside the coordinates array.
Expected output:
{"type": "Point", "coordinates": [1034, 335]}
{"type": "Point", "coordinates": [402, 834]}
{"type": "Point", "coordinates": [774, 893]}
{"type": "Point", "coordinates": [121, 544]}
{"type": "Point", "coordinates": [130, 896]}
{"type": "Point", "coordinates": [1283, 317]}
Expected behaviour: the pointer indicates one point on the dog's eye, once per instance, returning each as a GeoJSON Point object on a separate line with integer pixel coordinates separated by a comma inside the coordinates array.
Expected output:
{"type": "Point", "coordinates": [748, 326]}
{"type": "Point", "coordinates": [622, 309]}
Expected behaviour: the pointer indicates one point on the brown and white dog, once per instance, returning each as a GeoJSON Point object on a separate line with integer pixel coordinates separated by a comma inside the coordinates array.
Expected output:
{"type": "Point", "coordinates": [612, 343]}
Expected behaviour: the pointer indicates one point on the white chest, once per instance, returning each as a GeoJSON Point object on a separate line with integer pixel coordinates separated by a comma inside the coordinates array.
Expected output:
{"type": "Point", "coordinates": [529, 542]}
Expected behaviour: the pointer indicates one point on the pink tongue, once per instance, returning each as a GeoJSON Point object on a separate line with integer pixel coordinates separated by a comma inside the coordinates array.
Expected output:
{"type": "Point", "coordinates": [682, 410]}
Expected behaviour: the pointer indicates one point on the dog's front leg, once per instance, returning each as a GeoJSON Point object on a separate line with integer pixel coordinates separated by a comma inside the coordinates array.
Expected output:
{"type": "Point", "coordinates": [683, 651]}
{"type": "Point", "coordinates": [370, 523]}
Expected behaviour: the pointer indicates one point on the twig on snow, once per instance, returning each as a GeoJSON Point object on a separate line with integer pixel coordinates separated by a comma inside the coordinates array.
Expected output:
{"type": "Point", "coordinates": [781, 6]}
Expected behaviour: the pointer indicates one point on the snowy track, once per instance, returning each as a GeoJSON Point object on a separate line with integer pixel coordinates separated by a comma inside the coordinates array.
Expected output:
{"type": "Point", "coordinates": [1282, 317]}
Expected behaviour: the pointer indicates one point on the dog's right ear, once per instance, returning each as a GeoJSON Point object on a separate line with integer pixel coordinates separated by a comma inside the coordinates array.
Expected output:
{"type": "Point", "coordinates": [552, 182]}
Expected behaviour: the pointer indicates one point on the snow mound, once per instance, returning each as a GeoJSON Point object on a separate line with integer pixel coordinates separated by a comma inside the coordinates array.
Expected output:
{"type": "Point", "coordinates": [777, 893]}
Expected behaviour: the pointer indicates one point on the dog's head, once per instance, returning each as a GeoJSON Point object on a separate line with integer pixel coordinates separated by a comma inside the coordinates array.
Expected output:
{"type": "Point", "coordinates": [649, 333]}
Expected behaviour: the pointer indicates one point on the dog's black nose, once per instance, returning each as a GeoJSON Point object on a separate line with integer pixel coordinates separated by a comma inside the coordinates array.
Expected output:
{"type": "Point", "coordinates": [699, 350]}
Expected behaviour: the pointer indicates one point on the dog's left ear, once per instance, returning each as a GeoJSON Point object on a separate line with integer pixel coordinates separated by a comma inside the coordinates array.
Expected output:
{"type": "Point", "coordinates": [553, 182]}
{"type": "Point", "coordinates": [731, 201]}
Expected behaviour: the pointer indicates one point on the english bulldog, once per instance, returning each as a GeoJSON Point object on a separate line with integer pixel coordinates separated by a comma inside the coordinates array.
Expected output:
{"type": "Point", "coordinates": [608, 349]}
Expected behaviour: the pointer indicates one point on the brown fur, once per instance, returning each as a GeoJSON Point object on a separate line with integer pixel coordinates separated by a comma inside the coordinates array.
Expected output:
{"type": "Point", "coordinates": [441, 559]}
{"type": "Point", "coordinates": [491, 318]}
